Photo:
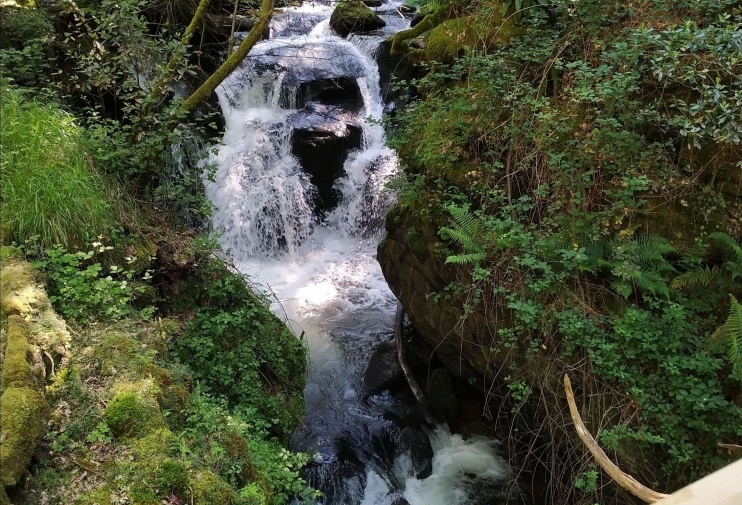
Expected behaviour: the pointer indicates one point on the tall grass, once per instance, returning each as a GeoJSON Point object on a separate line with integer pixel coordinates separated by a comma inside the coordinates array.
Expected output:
{"type": "Point", "coordinates": [49, 188]}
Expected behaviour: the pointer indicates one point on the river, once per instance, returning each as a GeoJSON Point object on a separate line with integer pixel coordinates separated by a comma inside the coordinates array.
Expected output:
{"type": "Point", "coordinates": [300, 201]}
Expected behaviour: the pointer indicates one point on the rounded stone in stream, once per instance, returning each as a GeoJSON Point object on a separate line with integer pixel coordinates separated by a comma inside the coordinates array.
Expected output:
{"type": "Point", "coordinates": [383, 369]}
{"type": "Point", "coordinates": [353, 16]}
{"type": "Point", "coordinates": [416, 445]}
{"type": "Point", "coordinates": [400, 501]}
{"type": "Point", "coordinates": [441, 397]}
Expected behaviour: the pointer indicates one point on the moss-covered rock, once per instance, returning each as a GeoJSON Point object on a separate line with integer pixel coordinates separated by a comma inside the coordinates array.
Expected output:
{"type": "Point", "coordinates": [17, 366]}
{"type": "Point", "coordinates": [450, 38]}
{"type": "Point", "coordinates": [22, 426]}
{"type": "Point", "coordinates": [352, 16]}
{"type": "Point", "coordinates": [208, 488]}
{"type": "Point", "coordinates": [134, 410]}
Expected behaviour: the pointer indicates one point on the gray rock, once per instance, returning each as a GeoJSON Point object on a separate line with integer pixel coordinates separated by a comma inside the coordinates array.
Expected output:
{"type": "Point", "coordinates": [383, 369]}
{"type": "Point", "coordinates": [416, 445]}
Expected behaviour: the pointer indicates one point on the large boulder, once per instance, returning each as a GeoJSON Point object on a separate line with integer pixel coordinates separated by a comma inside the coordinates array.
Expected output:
{"type": "Point", "coordinates": [383, 369]}
{"type": "Point", "coordinates": [323, 135]}
{"type": "Point", "coordinates": [352, 16]}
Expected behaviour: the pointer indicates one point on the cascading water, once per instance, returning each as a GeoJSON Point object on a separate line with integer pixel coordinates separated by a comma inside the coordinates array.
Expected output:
{"type": "Point", "coordinates": [300, 203]}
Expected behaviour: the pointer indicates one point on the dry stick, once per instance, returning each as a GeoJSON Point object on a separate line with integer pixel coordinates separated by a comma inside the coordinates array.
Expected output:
{"type": "Point", "coordinates": [230, 46]}
{"type": "Point", "coordinates": [624, 480]}
{"type": "Point", "coordinates": [73, 460]}
{"type": "Point", "coordinates": [400, 355]}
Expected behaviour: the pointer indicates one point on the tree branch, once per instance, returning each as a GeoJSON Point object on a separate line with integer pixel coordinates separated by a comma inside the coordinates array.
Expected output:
{"type": "Point", "coordinates": [233, 60]}
{"type": "Point", "coordinates": [624, 480]}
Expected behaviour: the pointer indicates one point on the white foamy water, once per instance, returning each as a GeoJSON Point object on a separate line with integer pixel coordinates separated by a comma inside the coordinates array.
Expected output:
{"type": "Point", "coordinates": [455, 462]}
{"type": "Point", "coordinates": [324, 272]}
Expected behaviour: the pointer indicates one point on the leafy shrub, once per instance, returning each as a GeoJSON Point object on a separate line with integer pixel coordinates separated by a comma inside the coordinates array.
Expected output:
{"type": "Point", "coordinates": [242, 352]}
{"type": "Point", "coordinates": [49, 189]}
{"type": "Point", "coordinates": [82, 289]}
{"type": "Point", "coordinates": [24, 46]}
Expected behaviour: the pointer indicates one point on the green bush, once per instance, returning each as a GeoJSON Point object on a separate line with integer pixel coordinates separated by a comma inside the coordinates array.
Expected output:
{"type": "Point", "coordinates": [49, 188]}
{"type": "Point", "coordinates": [238, 349]}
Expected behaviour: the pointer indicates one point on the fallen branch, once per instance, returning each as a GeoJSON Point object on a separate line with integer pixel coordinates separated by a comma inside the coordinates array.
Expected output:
{"type": "Point", "coordinates": [400, 356]}
{"type": "Point", "coordinates": [624, 480]}
{"type": "Point", "coordinates": [731, 447]}
{"type": "Point", "coordinates": [90, 470]}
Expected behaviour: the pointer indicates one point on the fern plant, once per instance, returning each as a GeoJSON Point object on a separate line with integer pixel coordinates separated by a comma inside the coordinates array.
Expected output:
{"type": "Point", "coordinates": [704, 276]}
{"type": "Point", "coordinates": [641, 264]}
{"type": "Point", "coordinates": [731, 331]}
{"type": "Point", "coordinates": [466, 231]}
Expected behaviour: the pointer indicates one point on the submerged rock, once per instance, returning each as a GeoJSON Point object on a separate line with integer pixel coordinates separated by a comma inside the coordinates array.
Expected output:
{"type": "Point", "coordinates": [383, 369]}
{"type": "Point", "coordinates": [416, 445]}
{"type": "Point", "coordinates": [352, 16]}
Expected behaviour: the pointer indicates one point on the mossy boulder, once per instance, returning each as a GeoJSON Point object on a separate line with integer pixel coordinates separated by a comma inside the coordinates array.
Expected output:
{"type": "Point", "coordinates": [21, 367]}
{"type": "Point", "coordinates": [23, 425]}
{"type": "Point", "coordinates": [450, 38]}
{"type": "Point", "coordinates": [208, 488]}
{"type": "Point", "coordinates": [352, 16]}
{"type": "Point", "coordinates": [134, 411]}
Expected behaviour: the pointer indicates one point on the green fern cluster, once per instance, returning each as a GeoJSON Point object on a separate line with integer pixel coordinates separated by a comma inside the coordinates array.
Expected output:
{"type": "Point", "coordinates": [466, 231]}
{"type": "Point", "coordinates": [731, 331]}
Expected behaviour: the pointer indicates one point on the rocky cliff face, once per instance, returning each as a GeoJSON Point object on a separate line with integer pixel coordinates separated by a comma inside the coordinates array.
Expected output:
{"type": "Point", "coordinates": [418, 276]}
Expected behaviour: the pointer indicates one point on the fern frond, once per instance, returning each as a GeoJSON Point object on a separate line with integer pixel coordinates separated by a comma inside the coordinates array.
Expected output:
{"type": "Point", "coordinates": [701, 277]}
{"type": "Point", "coordinates": [731, 331]}
{"type": "Point", "coordinates": [464, 220]}
{"type": "Point", "coordinates": [651, 250]}
{"type": "Point", "coordinates": [465, 259]}
{"type": "Point", "coordinates": [465, 240]}
{"type": "Point", "coordinates": [731, 248]}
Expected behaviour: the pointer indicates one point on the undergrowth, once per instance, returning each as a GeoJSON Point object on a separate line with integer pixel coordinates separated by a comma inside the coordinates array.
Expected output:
{"type": "Point", "coordinates": [581, 180]}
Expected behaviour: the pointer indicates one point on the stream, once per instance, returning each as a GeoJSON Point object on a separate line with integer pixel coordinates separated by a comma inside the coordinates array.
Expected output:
{"type": "Point", "coordinates": [300, 201]}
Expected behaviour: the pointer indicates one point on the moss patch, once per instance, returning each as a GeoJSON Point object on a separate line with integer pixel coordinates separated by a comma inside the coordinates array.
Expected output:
{"type": "Point", "coordinates": [22, 426]}
{"type": "Point", "coordinates": [134, 411]}
{"type": "Point", "coordinates": [209, 488]}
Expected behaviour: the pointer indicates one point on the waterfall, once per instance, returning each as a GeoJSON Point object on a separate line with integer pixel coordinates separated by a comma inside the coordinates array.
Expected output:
{"type": "Point", "coordinates": [298, 183]}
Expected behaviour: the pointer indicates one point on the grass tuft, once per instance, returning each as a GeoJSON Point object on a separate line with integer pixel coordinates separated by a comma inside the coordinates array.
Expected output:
{"type": "Point", "coordinates": [49, 188]}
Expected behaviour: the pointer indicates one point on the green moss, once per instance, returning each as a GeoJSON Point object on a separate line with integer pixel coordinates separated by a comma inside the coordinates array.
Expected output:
{"type": "Point", "coordinates": [23, 425]}
{"type": "Point", "coordinates": [208, 488]}
{"type": "Point", "coordinates": [17, 371]}
{"type": "Point", "coordinates": [450, 38]}
{"type": "Point", "coordinates": [10, 253]}
{"type": "Point", "coordinates": [134, 411]}
{"type": "Point", "coordinates": [100, 496]}
{"type": "Point", "coordinates": [352, 16]}
{"type": "Point", "coordinates": [171, 477]}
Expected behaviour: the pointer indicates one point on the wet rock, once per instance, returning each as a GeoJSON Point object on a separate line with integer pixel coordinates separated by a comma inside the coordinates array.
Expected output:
{"type": "Point", "coordinates": [398, 66]}
{"type": "Point", "coordinates": [353, 16]}
{"type": "Point", "coordinates": [441, 397]}
{"type": "Point", "coordinates": [341, 92]}
{"type": "Point", "coordinates": [322, 138]}
{"type": "Point", "coordinates": [401, 500]}
{"type": "Point", "coordinates": [383, 369]}
{"type": "Point", "coordinates": [416, 445]}
{"type": "Point", "coordinates": [373, 3]}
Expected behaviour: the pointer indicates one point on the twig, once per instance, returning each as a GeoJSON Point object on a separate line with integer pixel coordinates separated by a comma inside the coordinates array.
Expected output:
{"type": "Point", "coordinates": [624, 480]}
{"type": "Point", "coordinates": [74, 461]}
{"type": "Point", "coordinates": [731, 447]}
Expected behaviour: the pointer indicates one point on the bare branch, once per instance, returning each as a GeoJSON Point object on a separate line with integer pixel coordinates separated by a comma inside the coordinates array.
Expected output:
{"type": "Point", "coordinates": [624, 480]}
